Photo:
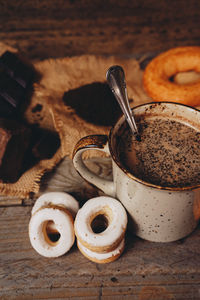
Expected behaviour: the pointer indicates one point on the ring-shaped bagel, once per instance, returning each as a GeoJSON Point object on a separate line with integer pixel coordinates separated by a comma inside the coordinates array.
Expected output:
{"type": "Point", "coordinates": [39, 236]}
{"type": "Point", "coordinates": [59, 199]}
{"type": "Point", "coordinates": [157, 78]}
{"type": "Point", "coordinates": [115, 214]}
{"type": "Point", "coordinates": [102, 258]}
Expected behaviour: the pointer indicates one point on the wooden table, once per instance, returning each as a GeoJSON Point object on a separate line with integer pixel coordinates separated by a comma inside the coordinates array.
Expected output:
{"type": "Point", "coordinates": [146, 270]}
{"type": "Point", "coordinates": [48, 28]}
{"type": "Point", "coordinates": [43, 29]}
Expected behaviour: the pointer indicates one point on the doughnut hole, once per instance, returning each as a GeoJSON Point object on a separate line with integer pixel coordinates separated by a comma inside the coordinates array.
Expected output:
{"type": "Point", "coordinates": [51, 234]}
{"type": "Point", "coordinates": [187, 77]}
{"type": "Point", "coordinates": [99, 223]}
{"type": "Point", "coordinates": [101, 220]}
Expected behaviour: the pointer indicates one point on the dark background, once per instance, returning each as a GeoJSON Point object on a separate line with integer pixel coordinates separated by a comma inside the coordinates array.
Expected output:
{"type": "Point", "coordinates": [60, 28]}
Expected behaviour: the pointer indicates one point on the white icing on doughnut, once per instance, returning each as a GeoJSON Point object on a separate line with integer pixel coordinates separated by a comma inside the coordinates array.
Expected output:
{"type": "Point", "coordinates": [38, 231]}
{"type": "Point", "coordinates": [59, 199]}
{"type": "Point", "coordinates": [117, 222]}
{"type": "Point", "coordinates": [102, 256]}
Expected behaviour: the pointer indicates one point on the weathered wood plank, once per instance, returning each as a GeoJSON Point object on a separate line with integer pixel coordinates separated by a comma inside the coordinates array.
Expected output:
{"type": "Point", "coordinates": [181, 292]}
{"type": "Point", "coordinates": [44, 29]}
{"type": "Point", "coordinates": [143, 270]}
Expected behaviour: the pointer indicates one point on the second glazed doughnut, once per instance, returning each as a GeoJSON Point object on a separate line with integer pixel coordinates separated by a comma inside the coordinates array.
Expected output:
{"type": "Point", "coordinates": [158, 75]}
{"type": "Point", "coordinates": [112, 213]}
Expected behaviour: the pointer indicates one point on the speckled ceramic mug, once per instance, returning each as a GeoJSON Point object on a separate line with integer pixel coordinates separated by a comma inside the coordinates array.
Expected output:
{"type": "Point", "coordinates": [157, 213]}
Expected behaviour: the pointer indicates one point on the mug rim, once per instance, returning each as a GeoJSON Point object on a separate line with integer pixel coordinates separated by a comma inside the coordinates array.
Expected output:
{"type": "Point", "coordinates": [129, 174]}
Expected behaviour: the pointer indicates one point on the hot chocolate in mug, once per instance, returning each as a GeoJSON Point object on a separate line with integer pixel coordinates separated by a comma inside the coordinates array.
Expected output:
{"type": "Point", "coordinates": [157, 178]}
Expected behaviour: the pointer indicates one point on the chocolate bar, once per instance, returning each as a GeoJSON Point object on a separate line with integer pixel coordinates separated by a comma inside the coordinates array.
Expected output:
{"type": "Point", "coordinates": [17, 69]}
{"type": "Point", "coordinates": [6, 110]}
{"type": "Point", "coordinates": [16, 78]}
{"type": "Point", "coordinates": [10, 90]}
{"type": "Point", "coordinates": [14, 142]}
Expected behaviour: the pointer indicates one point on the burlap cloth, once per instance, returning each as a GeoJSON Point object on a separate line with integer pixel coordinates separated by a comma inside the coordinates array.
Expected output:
{"type": "Point", "coordinates": [49, 111]}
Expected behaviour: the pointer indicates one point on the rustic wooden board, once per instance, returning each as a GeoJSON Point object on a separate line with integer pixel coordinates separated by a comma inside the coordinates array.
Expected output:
{"type": "Point", "coordinates": [144, 271]}
{"type": "Point", "coordinates": [43, 29]}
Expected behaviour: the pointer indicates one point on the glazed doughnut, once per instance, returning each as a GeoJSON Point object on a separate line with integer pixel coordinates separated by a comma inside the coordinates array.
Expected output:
{"type": "Point", "coordinates": [159, 73]}
{"type": "Point", "coordinates": [105, 213]}
{"type": "Point", "coordinates": [102, 258]}
{"type": "Point", "coordinates": [38, 232]}
{"type": "Point", "coordinates": [59, 199]}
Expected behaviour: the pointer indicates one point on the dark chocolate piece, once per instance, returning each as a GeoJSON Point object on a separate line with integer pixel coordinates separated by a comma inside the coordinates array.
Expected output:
{"type": "Point", "coordinates": [10, 90]}
{"type": "Point", "coordinates": [17, 69]}
{"type": "Point", "coordinates": [16, 77]}
{"type": "Point", "coordinates": [14, 141]}
{"type": "Point", "coordinates": [6, 109]}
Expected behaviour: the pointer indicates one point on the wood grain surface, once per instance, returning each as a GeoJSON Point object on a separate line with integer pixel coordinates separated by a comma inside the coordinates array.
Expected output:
{"type": "Point", "coordinates": [45, 28]}
{"type": "Point", "coordinates": [144, 271]}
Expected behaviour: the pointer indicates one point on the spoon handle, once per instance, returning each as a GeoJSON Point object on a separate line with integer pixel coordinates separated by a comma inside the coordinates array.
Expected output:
{"type": "Point", "coordinates": [116, 80]}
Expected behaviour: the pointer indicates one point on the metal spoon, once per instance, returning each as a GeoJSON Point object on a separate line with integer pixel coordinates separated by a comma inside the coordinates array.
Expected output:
{"type": "Point", "coordinates": [116, 80]}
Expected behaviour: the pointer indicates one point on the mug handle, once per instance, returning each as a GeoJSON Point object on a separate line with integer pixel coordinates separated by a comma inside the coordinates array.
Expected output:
{"type": "Point", "coordinates": [91, 142]}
